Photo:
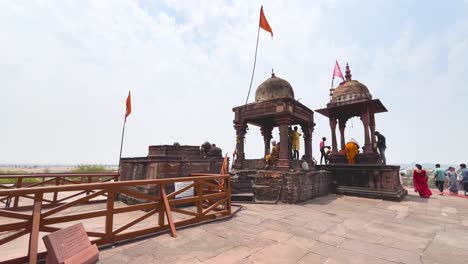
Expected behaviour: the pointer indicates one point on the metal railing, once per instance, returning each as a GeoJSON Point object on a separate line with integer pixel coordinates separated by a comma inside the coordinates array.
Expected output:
{"type": "Point", "coordinates": [211, 199]}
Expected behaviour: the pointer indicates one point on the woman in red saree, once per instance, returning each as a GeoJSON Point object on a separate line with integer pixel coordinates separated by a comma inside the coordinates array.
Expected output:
{"type": "Point", "coordinates": [420, 182]}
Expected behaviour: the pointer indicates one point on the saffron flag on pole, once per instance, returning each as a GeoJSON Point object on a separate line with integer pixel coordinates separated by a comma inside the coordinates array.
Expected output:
{"type": "Point", "coordinates": [337, 71]}
{"type": "Point", "coordinates": [264, 22]}
{"type": "Point", "coordinates": [225, 166]}
{"type": "Point", "coordinates": [128, 105]}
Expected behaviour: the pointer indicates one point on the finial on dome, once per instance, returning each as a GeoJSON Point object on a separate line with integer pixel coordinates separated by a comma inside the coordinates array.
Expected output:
{"type": "Point", "coordinates": [348, 73]}
{"type": "Point", "coordinates": [272, 73]}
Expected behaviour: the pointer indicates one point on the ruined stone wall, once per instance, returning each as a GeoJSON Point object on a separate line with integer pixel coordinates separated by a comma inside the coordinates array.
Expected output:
{"type": "Point", "coordinates": [304, 186]}
{"type": "Point", "coordinates": [287, 187]}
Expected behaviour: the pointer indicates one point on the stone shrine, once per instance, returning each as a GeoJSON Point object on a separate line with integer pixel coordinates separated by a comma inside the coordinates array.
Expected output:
{"type": "Point", "coordinates": [275, 106]}
{"type": "Point", "coordinates": [368, 178]}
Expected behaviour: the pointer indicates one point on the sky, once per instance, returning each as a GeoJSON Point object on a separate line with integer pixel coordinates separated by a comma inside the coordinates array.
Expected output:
{"type": "Point", "coordinates": [66, 68]}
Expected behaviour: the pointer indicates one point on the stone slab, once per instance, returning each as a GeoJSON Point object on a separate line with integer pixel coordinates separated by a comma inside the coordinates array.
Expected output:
{"type": "Point", "coordinates": [70, 244]}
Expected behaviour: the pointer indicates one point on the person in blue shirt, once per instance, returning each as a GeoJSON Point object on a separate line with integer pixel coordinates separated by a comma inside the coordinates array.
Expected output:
{"type": "Point", "coordinates": [439, 178]}
{"type": "Point", "coordinates": [464, 177]}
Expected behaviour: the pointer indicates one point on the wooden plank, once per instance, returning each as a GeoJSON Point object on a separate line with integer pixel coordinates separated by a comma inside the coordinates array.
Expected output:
{"type": "Point", "coordinates": [180, 211]}
{"type": "Point", "coordinates": [14, 226]}
{"type": "Point", "coordinates": [137, 194]}
{"type": "Point", "coordinates": [167, 208]}
{"type": "Point", "coordinates": [92, 186]}
{"type": "Point", "coordinates": [74, 195]}
{"type": "Point", "coordinates": [135, 221]}
{"type": "Point", "coordinates": [40, 183]}
{"type": "Point", "coordinates": [14, 236]}
{"type": "Point", "coordinates": [195, 199]}
{"type": "Point", "coordinates": [10, 214]}
{"type": "Point", "coordinates": [214, 206]}
{"type": "Point", "coordinates": [136, 207]}
{"type": "Point", "coordinates": [35, 224]}
{"type": "Point", "coordinates": [173, 194]}
{"type": "Point", "coordinates": [70, 204]}
{"type": "Point", "coordinates": [74, 217]}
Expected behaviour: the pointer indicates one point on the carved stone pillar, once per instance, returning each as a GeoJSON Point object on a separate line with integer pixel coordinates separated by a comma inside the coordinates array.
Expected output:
{"type": "Point", "coordinates": [372, 131]}
{"type": "Point", "coordinates": [266, 133]}
{"type": "Point", "coordinates": [333, 131]}
{"type": "Point", "coordinates": [342, 126]}
{"type": "Point", "coordinates": [307, 141]}
{"type": "Point", "coordinates": [241, 130]}
{"type": "Point", "coordinates": [283, 125]}
{"type": "Point", "coordinates": [367, 142]}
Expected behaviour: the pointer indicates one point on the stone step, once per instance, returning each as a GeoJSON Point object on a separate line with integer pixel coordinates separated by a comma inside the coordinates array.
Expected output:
{"type": "Point", "coordinates": [243, 197]}
{"type": "Point", "coordinates": [260, 186]}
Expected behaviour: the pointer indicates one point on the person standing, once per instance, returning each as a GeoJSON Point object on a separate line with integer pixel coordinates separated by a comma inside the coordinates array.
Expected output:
{"type": "Point", "coordinates": [464, 178]}
{"type": "Point", "coordinates": [439, 178]}
{"type": "Point", "coordinates": [295, 143]}
{"type": "Point", "coordinates": [323, 154]}
{"type": "Point", "coordinates": [420, 182]}
{"type": "Point", "coordinates": [453, 182]}
{"type": "Point", "coordinates": [382, 146]}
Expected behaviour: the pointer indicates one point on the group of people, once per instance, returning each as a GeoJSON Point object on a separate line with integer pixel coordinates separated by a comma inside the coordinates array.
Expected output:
{"type": "Point", "coordinates": [441, 176]}
{"type": "Point", "coordinates": [352, 149]}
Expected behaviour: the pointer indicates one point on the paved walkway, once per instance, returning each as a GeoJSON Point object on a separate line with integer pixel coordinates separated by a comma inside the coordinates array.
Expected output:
{"type": "Point", "coordinates": [331, 229]}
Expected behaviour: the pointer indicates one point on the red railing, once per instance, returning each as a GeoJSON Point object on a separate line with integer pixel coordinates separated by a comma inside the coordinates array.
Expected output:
{"type": "Point", "coordinates": [47, 179]}
{"type": "Point", "coordinates": [210, 199]}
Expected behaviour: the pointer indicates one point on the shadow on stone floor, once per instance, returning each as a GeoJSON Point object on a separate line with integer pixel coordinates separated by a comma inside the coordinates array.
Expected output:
{"type": "Point", "coordinates": [415, 198]}
{"type": "Point", "coordinates": [322, 200]}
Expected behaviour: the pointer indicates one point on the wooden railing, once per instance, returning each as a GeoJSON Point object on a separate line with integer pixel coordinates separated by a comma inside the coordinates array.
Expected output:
{"type": "Point", "coordinates": [210, 199]}
{"type": "Point", "coordinates": [47, 179]}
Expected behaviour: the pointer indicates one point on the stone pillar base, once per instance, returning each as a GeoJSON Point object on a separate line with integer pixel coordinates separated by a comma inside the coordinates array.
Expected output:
{"type": "Point", "coordinates": [283, 165]}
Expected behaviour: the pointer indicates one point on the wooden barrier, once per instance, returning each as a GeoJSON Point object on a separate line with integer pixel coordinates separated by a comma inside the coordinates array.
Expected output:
{"type": "Point", "coordinates": [211, 199]}
{"type": "Point", "coordinates": [47, 179]}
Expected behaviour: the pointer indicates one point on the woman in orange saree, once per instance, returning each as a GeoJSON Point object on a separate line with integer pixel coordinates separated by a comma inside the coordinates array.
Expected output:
{"type": "Point", "coordinates": [352, 149]}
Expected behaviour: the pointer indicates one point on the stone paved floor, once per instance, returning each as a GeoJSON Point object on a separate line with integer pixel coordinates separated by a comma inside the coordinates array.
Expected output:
{"type": "Point", "coordinates": [331, 229]}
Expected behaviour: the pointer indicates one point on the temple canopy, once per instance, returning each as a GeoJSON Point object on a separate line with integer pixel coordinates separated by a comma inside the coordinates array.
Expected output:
{"type": "Point", "coordinates": [274, 106]}
{"type": "Point", "coordinates": [352, 98]}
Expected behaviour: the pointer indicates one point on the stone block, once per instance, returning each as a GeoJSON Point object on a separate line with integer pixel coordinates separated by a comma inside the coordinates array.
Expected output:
{"type": "Point", "coordinates": [70, 245]}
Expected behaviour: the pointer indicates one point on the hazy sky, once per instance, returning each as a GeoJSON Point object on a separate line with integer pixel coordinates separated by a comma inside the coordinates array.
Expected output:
{"type": "Point", "coordinates": [66, 68]}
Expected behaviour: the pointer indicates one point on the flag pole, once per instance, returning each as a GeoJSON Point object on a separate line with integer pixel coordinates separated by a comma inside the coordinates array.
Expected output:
{"type": "Point", "coordinates": [121, 144]}
{"type": "Point", "coordinates": [255, 61]}
{"type": "Point", "coordinates": [331, 88]}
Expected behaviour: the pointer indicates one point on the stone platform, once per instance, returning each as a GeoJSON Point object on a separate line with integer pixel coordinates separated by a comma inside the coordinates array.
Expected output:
{"type": "Point", "coordinates": [330, 229]}
{"type": "Point", "coordinates": [274, 185]}
{"type": "Point", "coordinates": [371, 180]}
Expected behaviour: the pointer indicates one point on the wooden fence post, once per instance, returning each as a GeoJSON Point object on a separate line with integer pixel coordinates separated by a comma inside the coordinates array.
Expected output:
{"type": "Point", "coordinates": [168, 210]}
{"type": "Point", "coordinates": [35, 224]}
{"type": "Point", "coordinates": [110, 214]}
{"type": "Point", "coordinates": [200, 198]}
{"type": "Point", "coordinates": [19, 184]}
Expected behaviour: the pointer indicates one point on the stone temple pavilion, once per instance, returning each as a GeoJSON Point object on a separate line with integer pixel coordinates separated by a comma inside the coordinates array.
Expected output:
{"type": "Point", "coordinates": [274, 106]}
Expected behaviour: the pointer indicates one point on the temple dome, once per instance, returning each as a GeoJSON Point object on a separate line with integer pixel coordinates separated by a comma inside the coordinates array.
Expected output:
{"type": "Point", "coordinates": [274, 88]}
{"type": "Point", "coordinates": [350, 91]}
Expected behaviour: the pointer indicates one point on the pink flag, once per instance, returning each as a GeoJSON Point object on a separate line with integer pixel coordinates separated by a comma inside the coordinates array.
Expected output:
{"type": "Point", "coordinates": [337, 71]}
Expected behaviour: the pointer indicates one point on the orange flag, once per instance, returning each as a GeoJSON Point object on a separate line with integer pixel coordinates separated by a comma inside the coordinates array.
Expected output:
{"type": "Point", "coordinates": [129, 106]}
{"type": "Point", "coordinates": [264, 23]}
{"type": "Point", "coordinates": [225, 167]}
